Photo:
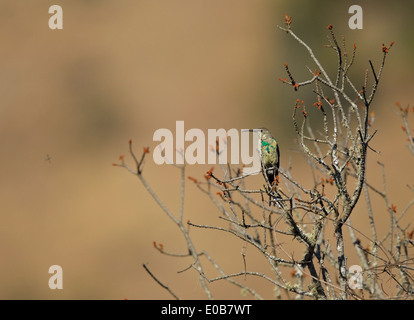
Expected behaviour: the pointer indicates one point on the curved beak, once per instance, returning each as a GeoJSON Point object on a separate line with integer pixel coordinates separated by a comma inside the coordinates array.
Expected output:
{"type": "Point", "coordinates": [251, 130]}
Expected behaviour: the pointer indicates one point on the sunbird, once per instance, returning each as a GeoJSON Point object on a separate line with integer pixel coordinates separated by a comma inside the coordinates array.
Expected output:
{"type": "Point", "coordinates": [270, 159]}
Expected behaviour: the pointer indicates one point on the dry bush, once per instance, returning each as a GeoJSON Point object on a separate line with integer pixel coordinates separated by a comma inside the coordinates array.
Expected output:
{"type": "Point", "coordinates": [317, 215]}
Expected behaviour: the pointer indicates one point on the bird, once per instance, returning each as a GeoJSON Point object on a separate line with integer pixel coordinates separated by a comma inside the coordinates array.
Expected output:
{"type": "Point", "coordinates": [269, 158]}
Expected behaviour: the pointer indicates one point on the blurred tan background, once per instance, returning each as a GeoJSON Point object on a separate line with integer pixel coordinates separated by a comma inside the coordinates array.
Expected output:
{"type": "Point", "coordinates": [119, 70]}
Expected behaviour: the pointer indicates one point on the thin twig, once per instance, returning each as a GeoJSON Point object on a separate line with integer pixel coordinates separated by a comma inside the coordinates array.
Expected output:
{"type": "Point", "coordinates": [160, 283]}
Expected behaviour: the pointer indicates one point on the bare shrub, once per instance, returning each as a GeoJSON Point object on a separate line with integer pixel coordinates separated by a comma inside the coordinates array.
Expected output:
{"type": "Point", "coordinates": [316, 215]}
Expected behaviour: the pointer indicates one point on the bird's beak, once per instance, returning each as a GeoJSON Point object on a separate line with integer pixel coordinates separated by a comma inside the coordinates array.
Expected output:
{"type": "Point", "coordinates": [251, 130]}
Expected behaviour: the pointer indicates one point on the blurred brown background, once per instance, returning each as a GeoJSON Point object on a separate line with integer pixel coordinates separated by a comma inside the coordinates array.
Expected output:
{"type": "Point", "coordinates": [121, 70]}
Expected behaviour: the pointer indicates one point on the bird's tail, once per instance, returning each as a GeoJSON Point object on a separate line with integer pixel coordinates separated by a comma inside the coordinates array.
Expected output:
{"type": "Point", "coordinates": [276, 199]}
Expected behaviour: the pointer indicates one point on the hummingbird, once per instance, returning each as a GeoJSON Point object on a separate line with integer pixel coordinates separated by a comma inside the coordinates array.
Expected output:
{"type": "Point", "coordinates": [269, 158]}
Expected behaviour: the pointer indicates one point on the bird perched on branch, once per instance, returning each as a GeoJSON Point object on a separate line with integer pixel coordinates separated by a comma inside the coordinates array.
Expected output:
{"type": "Point", "coordinates": [269, 158]}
